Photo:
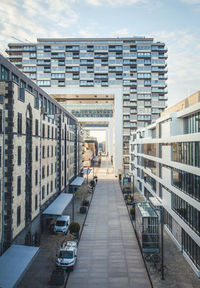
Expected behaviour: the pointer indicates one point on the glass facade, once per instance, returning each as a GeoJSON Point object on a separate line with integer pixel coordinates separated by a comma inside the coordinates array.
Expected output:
{"type": "Point", "coordinates": [186, 182]}
{"type": "Point", "coordinates": [192, 123]}
{"type": "Point", "coordinates": [149, 149]}
{"type": "Point", "coordinates": [186, 153]}
{"type": "Point", "coordinates": [151, 181]}
{"type": "Point", "coordinates": [150, 165]}
{"type": "Point", "coordinates": [187, 212]}
{"type": "Point", "coordinates": [191, 248]}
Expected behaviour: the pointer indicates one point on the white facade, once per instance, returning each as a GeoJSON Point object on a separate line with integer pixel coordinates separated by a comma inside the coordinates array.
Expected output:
{"type": "Point", "coordinates": [165, 162]}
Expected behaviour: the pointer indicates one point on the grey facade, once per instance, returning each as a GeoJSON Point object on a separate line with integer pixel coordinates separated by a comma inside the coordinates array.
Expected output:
{"type": "Point", "coordinates": [135, 65]}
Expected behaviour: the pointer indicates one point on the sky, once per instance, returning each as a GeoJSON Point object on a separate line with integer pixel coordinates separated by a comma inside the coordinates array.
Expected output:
{"type": "Point", "coordinates": [100, 135]}
{"type": "Point", "coordinates": [174, 22]}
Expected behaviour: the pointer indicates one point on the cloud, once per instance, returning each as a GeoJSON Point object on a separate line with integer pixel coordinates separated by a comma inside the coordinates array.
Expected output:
{"type": "Point", "coordinates": [114, 2]}
{"type": "Point", "coordinates": [191, 2]}
{"type": "Point", "coordinates": [31, 19]}
{"type": "Point", "coordinates": [183, 62]}
{"type": "Point", "coordinates": [124, 32]}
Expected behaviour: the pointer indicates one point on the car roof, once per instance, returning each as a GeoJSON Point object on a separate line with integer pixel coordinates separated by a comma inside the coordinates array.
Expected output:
{"type": "Point", "coordinates": [63, 218]}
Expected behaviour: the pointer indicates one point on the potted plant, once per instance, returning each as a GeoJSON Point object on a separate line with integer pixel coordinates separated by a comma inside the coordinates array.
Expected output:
{"type": "Point", "coordinates": [92, 183]}
{"type": "Point", "coordinates": [85, 202]}
{"type": "Point", "coordinates": [132, 212]}
{"type": "Point", "coordinates": [83, 209]}
{"type": "Point", "coordinates": [74, 228]}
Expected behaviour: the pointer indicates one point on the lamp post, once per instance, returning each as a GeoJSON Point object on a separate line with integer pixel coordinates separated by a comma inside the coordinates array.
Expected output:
{"type": "Point", "coordinates": [87, 174]}
{"type": "Point", "coordinates": [162, 243]}
{"type": "Point", "coordinates": [93, 167]}
{"type": "Point", "coordinates": [73, 204]}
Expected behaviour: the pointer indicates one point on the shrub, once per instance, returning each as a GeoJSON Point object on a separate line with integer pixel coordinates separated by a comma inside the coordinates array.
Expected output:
{"type": "Point", "coordinates": [83, 209]}
{"type": "Point", "coordinates": [92, 183]}
{"type": "Point", "coordinates": [85, 203]}
{"type": "Point", "coordinates": [74, 227]}
{"type": "Point", "coordinates": [132, 211]}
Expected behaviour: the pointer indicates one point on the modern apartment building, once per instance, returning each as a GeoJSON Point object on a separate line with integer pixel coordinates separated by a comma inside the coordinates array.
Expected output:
{"type": "Point", "coordinates": [165, 162]}
{"type": "Point", "coordinates": [115, 83]}
{"type": "Point", "coordinates": [40, 153]}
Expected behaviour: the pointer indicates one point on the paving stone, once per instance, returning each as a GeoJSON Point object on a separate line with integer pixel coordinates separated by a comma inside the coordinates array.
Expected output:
{"type": "Point", "coordinates": [113, 244]}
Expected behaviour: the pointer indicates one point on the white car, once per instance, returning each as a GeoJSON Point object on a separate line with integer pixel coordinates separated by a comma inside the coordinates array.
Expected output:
{"type": "Point", "coordinates": [62, 224]}
{"type": "Point", "coordinates": [67, 255]}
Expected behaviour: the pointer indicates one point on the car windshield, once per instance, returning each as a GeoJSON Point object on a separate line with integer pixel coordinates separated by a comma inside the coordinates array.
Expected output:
{"type": "Point", "coordinates": [66, 254]}
{"type": "Point", "coordinates": [60, 223]}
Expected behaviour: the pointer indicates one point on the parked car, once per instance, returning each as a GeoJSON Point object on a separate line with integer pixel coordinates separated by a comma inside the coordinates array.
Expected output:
{"type": "Point", "coordinates": [62, 224]}
{"type": "Point", "coordinates": [67, 255]}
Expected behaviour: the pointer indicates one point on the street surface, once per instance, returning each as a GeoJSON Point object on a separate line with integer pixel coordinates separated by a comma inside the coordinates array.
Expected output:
{"type": "Point", "coordinates": [108, 253]}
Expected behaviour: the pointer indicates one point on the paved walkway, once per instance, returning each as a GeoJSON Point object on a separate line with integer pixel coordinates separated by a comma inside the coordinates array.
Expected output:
{"type": "Point", "coordinates": [108, 253]}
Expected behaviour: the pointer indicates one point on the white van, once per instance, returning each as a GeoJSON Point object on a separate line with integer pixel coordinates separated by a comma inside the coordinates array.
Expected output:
{"type": "Point", "coordinates": [62, 224]}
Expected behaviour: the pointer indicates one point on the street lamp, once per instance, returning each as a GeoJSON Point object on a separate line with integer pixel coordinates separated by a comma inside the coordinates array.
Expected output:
{"type": "Point", "coordinates": [73, 204]}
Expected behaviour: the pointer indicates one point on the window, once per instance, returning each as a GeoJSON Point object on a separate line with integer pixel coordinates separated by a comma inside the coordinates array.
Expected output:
{"type": "Point", "coordinates": [36, 100]}
{"type": "Point", "coordinates": [186, 153]}
{"type": "Point", "coordinates": [43, 130]}
{"type": "Point", "coordinates": [36, 153]}
{"type": "Point", "coordinates": [18, 185]}
{"type": "Point", "coordinates": [191, 248]}
{"type": "Point", "coordinates": [22, 87]}
{"type": "Point", "coordinates": [48, 131]}
{"type": "Point", "coordinates": [36, 127]}
{"type": "Point", "coordinates": [19, 124]}
{"type": "Point", "coordinates": [43, 172]}
{"type": "Point", "coordinates": [186, 182]}
{"type": "Point", "coordinates": [48, 151]}
{"type": "Point", "coordinates": [19, 155]}
{"type": "Point", "coordinates": [0, 156]}
{"type": "Point", "coordinates": [43, 192]}
{"type": "Point", "coordinates": [51, 168]}
{"type": "Point", "coordinates": [51, 186]}
{"type": "Point", "coordinates": [47, 170]}
{"type": "Point", "coordinates": [18, 215]}
{"type": "Point", "coordinates": [187, 212]}
{"type": "Point", "coordinates": [36, 202]}
{"type": "Point", "coordinates": [52, 151]}
{"type": "Point", "coordinates": [52, 133]}
{"type": "Point", "coordinates": [43, 151]}
{"type": "Point", "coordinates": [36, 177]}
{"type": "Point", "coordinates": [47, 189]}
{"type": "Point", "coordinates": [4, 73]}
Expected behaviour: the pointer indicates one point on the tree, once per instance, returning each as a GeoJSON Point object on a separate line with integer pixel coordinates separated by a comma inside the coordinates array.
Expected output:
{"type": "Point", "coordinates": [83, 192]}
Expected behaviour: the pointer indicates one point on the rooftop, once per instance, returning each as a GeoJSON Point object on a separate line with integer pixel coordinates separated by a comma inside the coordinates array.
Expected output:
{"type": "Point", "coordinates": [185, 103]}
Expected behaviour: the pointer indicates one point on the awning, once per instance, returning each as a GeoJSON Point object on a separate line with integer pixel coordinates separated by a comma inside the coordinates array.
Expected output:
{"type": "Point", "coordinates": [58, 205]}
{"type": "Point", "coordinates": [14, 262]}
{"type": "Point", "coordinates": [155, 201]}
{"type": "Point", "coordinates": [78, 181]}
{"type": "Point", "coordinates": [86, 171]}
